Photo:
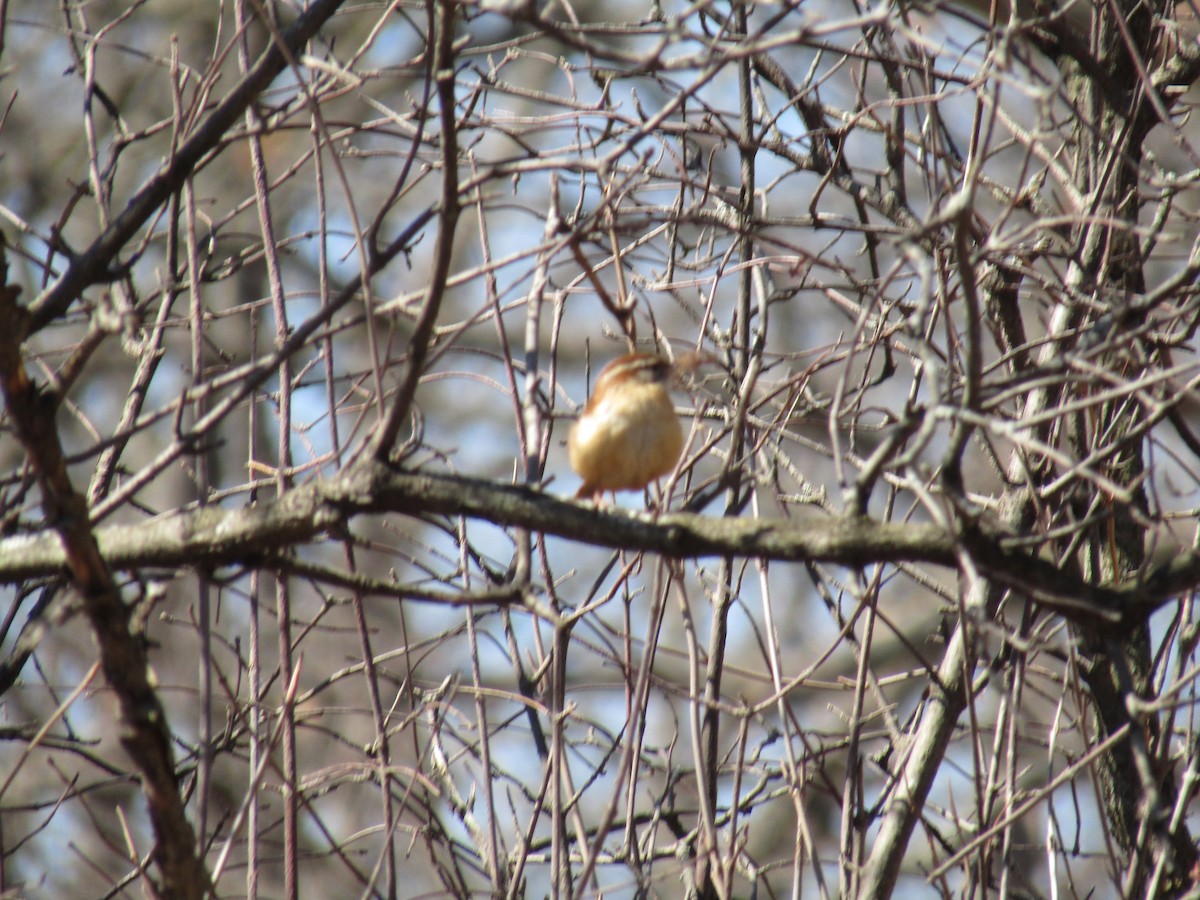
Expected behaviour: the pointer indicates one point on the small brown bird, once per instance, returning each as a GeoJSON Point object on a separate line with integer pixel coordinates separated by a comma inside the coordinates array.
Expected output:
{"type": "Point", "coordinates": [628, 434]}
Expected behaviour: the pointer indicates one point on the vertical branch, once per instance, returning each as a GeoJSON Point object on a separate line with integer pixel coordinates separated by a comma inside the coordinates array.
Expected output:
{"type": "Point", "coordinates": [1118, 668]}
{"type": "Point", "coordinates": [850, 857]}
{"type": "Point", "coordinates": [204, 756]}
{"type": "Point", "coordinates": [283, 466]}
{"type": "Point", "coordinates": [203, 485]}
{"type": "Point", "coordinates": [256, 723]}
{"type": "Point", "coordinates": [560, 851]}
{"type": "Point", "coordinates": [747, 350]}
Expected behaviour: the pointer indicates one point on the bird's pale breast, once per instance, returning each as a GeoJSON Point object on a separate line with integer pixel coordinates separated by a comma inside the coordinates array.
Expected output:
{"type": "Point", "coordinates": [629, 439]}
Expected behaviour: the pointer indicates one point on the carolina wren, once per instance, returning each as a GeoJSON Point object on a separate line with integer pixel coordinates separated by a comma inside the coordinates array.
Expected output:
{"type": "Point", "coordinates": [628, 434]}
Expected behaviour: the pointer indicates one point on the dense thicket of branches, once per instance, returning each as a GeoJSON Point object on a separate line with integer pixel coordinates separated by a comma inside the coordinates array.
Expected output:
{"type": "Point", "coordinates": [298, 302]}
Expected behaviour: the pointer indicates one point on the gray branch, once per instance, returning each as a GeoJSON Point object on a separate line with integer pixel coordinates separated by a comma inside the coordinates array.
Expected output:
{"type": "Point", "coordinates": [214, 536]}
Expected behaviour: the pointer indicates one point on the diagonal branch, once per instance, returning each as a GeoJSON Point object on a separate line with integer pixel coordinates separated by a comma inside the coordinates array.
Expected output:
{"type": "Point", "coordinates": [97, 263]}
{"type": "Point", "coordinates": [144, 733]}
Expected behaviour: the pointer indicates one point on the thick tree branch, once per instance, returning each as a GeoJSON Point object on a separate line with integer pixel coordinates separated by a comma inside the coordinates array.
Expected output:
{"type": "Point", "coordinates": [212, 536]}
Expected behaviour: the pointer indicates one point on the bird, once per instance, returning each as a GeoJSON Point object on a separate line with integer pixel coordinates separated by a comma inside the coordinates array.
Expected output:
{"type": "Point", "coordinates": [628, 435]}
